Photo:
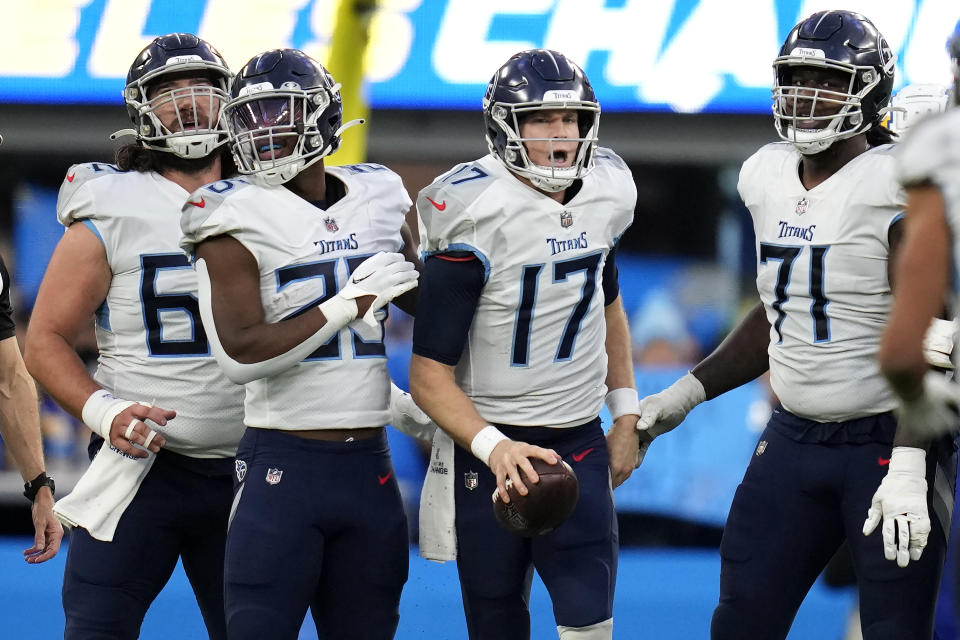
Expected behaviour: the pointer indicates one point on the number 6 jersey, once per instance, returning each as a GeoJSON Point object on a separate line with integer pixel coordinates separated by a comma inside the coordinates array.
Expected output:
{"type": "Point", "coordinates": [822, 257]}
{"type": "Point", "coordinates": [535, 353]}
{"type": "Point", "coordinates": [153, 348]}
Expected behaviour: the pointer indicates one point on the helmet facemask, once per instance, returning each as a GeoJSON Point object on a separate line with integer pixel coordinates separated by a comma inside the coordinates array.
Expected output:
{"type": "Point", "coordinates": [797, 109]}
{"type": "Point", "coordinates": [196, 130]}
{"type": "Point", "coordinates": [277, 133]}
{"type": "Point", "coordinates": [515, 155]}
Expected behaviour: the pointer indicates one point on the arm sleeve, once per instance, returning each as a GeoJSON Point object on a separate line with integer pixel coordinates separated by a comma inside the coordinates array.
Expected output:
{"type": "Point", "coordinates": [611, 282]}
{"type": "Point", "coordinates": [450, 288]}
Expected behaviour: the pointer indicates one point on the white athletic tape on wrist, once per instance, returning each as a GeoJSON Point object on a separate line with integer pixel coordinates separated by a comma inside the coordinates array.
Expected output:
{"type": "Point", "coordinates": [483, 443]}
{"type": "Point", "coordinates": [938, 343]}
{"type": "Point", "coordinates": [100, 409]}
{"type": "Point", "coordinates": [912, 460]}
{"type": "Point", "coordinates": [621, 402]}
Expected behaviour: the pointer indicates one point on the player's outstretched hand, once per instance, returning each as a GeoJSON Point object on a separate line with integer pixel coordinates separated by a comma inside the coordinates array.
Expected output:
{"type": "Point", "coordinates": [509, 456]}
{"type": "Point", "coordinates": [623, 443]}
{"type": "Point", "coordinates": [129, 429]}
{"type": "Point", "coordinates": [378, 280]}
{"type": "Point", "coordinates": [663, 411]}
{"type": "Point", "coordinates": [47, 530]}
{"type": "Point", "coordinates": [901, 503]}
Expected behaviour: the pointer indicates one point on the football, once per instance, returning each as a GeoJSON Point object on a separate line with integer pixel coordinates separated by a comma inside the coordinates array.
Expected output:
{"type": "Point", "coordinates": [547, 504]}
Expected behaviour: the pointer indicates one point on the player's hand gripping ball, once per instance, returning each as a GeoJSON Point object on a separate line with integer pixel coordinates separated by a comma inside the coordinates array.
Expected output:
{"type": "Point", "coordinates": [547, 504]}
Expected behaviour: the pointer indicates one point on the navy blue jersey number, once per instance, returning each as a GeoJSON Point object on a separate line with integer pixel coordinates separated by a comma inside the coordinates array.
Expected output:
{"type": "Point", "coordinates": [786, 255]}
{"type": "Point", "coordinates": [154, 304]}
{"type": "Point", "coordinates": [529, 282]}
{"type": "Point", "coordinates": [327, 270]}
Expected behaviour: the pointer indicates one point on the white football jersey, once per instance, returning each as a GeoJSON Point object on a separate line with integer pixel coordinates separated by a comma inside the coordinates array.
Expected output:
{"type": "Point", "coordinates": [153, 348]}
{"type": "Point", "coordinates": [305, 255]}
{"type": "Point", "coordinates": [535, 354]}
{"type": "Point", "coordinates": [822, 259]}
{"type": "Point", "coordinates": [932, 153]}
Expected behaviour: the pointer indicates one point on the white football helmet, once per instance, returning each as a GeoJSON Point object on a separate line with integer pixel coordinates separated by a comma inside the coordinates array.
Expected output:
{"type": "Point", "coordinates": [913, 103]}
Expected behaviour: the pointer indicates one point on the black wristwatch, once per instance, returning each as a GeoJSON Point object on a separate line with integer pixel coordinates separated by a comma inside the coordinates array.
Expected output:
{"type": "Point", "coordinates": [31, 488]}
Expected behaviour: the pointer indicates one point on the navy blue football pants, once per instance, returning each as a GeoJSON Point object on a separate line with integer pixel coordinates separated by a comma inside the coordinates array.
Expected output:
{"type": "Point", "coordinates": [180, 511]}
{"type": "Point", "coordinates": [577, 561]}
{"type": "Point", "coordinates": [316, 524]}
{"type": "Point", "coordinates": [795, 506]}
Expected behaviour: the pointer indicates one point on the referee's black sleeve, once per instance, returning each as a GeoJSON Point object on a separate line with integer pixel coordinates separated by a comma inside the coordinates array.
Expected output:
{"type": "Point", "coordinates": [7, 328]}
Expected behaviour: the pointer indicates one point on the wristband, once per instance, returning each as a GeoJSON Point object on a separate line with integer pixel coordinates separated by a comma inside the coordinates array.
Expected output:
{"type": "Point", "coordinates": [31, 488]}
{"type": "Point", "coordinates": [99, 411]}
{"type": "Point", "coordinates": [912, 460]}
{"type": "Point", "coordinates": [339, 311]}
{"type": "Point", "coordinates": [621, 402]}
{"type": "Point", "coordinates": [483, 443]}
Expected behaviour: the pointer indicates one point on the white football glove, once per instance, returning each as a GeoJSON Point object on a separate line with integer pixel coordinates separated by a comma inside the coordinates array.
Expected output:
{"type": "Point", "coordinates": [384, 275]}
{"type": "Point", "coordinates": [934, 413]}
{"type": "Point", "coordinates": [938, 343]}
{"type": "Point", "coordinates": [663, 411]}
{"type": "Point", "coordinates": [407, 417]}
{"type": "Point", "coordinates": [901, 502]}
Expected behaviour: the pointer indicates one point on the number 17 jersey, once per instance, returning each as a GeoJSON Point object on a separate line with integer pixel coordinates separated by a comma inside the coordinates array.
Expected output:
{"type": "Point", "coordinates": [822, 259]}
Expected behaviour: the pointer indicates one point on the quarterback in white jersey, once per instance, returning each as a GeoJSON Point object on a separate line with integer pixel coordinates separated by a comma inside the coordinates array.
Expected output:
{"type": "Point", "coordinates": [826, 210]}
{"type": "Point", "coordinates": [519, 334]}
{"type": "Point", "coordinates": [156, 492]}
{"type": "Point", "coordinates": [296, 265]}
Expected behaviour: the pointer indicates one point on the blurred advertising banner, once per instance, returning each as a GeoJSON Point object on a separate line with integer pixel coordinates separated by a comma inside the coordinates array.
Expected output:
{"type": "Point", "coordinates": [641, 55]}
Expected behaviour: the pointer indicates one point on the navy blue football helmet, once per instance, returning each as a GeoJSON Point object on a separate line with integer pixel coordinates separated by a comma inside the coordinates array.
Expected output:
{"type": "Point", "coordinates": [197, 130]}
{"type": "Point", "coordinates": [840, 41]}
{"type": "Point", "coordinates": [284, 114]}
{"type": "Point", "coordinates": [530, 81]}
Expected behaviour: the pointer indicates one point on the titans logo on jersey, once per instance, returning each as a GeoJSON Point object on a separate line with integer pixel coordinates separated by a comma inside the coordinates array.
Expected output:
{"type": "Point", "coordinates": [151, 311]}
{"type": "Point", "coordinates": [304, 256]}
{"type": "Point", "coordinates": [822, 276]}
{"type": "Point", "coordinates": [540, 317]}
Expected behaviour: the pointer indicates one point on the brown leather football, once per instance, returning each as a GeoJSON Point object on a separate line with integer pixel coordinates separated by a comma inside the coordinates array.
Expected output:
{"type": "Point", "coordinates": [547, 504]}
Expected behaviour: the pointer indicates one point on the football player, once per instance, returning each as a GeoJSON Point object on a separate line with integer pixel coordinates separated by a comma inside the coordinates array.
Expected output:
{"type": "Point", "coordinates": [827, 213]}
{"type": "Point", "coordinates": [159, 491]}
{"type": "Point", "coordinates": [929, 168]}
{"type": "Point", "coordinates": [296, 265]}
{"type": "Point", "coordinates": [519, 334]}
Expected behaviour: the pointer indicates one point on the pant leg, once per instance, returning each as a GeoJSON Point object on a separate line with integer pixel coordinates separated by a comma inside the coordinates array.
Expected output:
{"type": "Point", "coordinates": [367, 546]}
{"type": "Point", "coordinates": [274, 551]}
{"type": "Point", "coordinates": [578, 560]}
{"type": "Point", "coordinates": [896, 603]}
{"type": "Point", "coordinates": [203, 550]}
{"type": "Point", "coordinates": [108, 586]}
{"type": "Point", "coordinates": [495, 567]}
{"type": "Point", "coordinates": [783, 527]}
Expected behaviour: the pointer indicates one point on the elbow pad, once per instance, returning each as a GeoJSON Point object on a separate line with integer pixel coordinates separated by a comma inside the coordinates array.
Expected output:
{"type": "Point", "coordinates": [336, 312]}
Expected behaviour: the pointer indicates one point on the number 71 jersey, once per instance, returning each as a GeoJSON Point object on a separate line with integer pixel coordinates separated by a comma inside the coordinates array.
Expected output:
{"type": "Point", "coordinates": [822, 259]}
{"type": "Point", "coordinates": [535, 353]}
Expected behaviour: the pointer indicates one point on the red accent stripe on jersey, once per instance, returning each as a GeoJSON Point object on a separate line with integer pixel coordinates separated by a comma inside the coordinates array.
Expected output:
{"type": "Point", "coordinates": [456, 259]}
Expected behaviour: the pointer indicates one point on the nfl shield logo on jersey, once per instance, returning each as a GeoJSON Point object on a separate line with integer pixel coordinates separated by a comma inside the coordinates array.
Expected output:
{"type": "Point", "coordinates": [761, 447]}
{"type": "Point", "coordinates": [274, 475]}
{"type": "Point", "coordinates": [801, 206]}
{"type": "Point", "coordinates": [471, 480]}
{"type": "Point", "coordinates": [331, 225]}
{"type": "Point", "coordinates": [566, 219]}
{"type": "Point", "coordinates": [241, 467]}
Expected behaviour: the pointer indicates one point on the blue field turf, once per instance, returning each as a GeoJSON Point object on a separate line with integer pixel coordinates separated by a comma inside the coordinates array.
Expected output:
{"type": "Point", "coordinates": [662, 594]}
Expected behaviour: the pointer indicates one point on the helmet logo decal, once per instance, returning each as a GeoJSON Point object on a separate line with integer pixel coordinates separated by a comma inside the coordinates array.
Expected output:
{"type": "Point", "coordinates": [804, 52]}
{"type": "Point", "coordinates": [559, 96]}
